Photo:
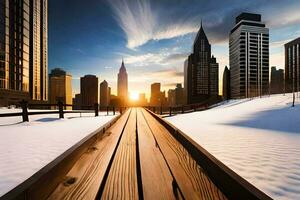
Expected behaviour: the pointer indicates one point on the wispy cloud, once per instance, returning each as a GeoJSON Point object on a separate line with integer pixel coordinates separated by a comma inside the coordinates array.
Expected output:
{"type": "Point", "coordinates": [141, 24]}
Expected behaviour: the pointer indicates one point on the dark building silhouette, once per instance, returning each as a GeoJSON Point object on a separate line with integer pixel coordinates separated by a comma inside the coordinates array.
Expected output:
{"type": "Point", "coordinates": [185, 83]}
{"type": "Point", "coordinates": [155, 99]}
{"type": "Point", "coordinates": [179, 94]}
{"type": "Point", "coordinates": [277, 81]}
{"type": "Point", "coordinates": [123, 85]}
{"type": "Point", "coordinates": [292, 66]}
{"type": "Point", "coordinates": [77, 102]}
{"type": "Point", "coordinates": [88, 90]}
{"type": "Point", "coordinates": [249, 57]}
{"type": "Point", "coordinates": [226, 83]}
{"type": "Point", "coordinates": [171, 97]}
{"type": "Point", "coordinates": [202, 71]}
{"type": "Point", "coordinates": [104, 94]}
{"type": "Point", "coordinates": [23, 51]}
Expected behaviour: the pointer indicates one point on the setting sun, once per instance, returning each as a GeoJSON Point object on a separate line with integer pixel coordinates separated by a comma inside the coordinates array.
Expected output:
{"type": "Point", "coordinates": [134, 96]}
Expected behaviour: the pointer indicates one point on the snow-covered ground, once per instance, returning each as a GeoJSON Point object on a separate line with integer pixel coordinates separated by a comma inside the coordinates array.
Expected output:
{"type": "Point", "coordinates": [27, 147]}
{"type": "Point", "coordinates": [259, 139]}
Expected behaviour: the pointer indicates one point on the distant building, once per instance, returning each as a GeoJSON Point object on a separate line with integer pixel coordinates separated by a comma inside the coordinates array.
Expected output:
{"type": "Point", "coordinates": [226, 83]}
{"type": "Point", "coordinates": [249, 57]}
{"type": "Point", "coordinates": [23, 51]}
{"type": "Point", "coordinates": [277, 81]}
{"type": "Point", "coordinates": [155, 99]}
{"type": "Point", "coordinates": [142, 99]}
{"type": "Point", "coordinates": [292, 66]}
{"type": "Point", "coordinates": [60, 87]}
{"type": "Point", "coordinates": [171, 97]}
{"type": "Point", "coordinates": [109, 95]}
{"type": "Point", "coordinates": [185, 83]}
{"type": "Point", "coordinates": [104, 94]}
{"type": "Point", "coordinates": [77, 102]}
{"type": "Point", "coordinates": [123, 84]}
{"type": "Point", "coordinates": [179, 94]}
{"type": "Point", "coordinates": [88, 91]}
{"type": "Point", "coordinates": [201, 72]}
{"type": "Point", "coordinates": [114, 101]}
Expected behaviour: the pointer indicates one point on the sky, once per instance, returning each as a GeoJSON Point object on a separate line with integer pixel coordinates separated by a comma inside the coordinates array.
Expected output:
{"type": "Point", "coordinates": [154, 37]}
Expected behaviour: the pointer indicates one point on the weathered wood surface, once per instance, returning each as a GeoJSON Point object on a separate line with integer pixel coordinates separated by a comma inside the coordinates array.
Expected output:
{"type": "Point", "coordinates": [83, 180]}
{"type": "Point", "coordinates": [156, 176]}
{"type": "Point", "coordinates": [190, 177]}
{"type": "Point", "coordinates": [139, 158]}
{"type": "Point", "coordinates": [122, 181]}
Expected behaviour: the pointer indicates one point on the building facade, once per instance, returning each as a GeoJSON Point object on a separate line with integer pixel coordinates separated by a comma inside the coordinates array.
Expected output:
{"type": "Point", "coordinates": [292, 66]}
{"type": "Point", "coordinates": [60, 87]}
{"type": "Point", "coordinates": [249, 57]}
{"type": "Point", "coordinates": [104, 94]}
{"type": "Point", "coordinates": [23, 50]}
{"type": "Point", "coordinates": [88, 91]}
{"type": "Point", "coordinates": [179, 94]}
{"type": "Point", "coordinates": [201, 71]}
{"type": "Point", "coordinates": [277, 81]}
{"type": "Point", "coordinates": [226, 84]}
{"type": "Point", "coordinates": [123, 84]}
{"type": "Point", "coordinates": [155, 98]}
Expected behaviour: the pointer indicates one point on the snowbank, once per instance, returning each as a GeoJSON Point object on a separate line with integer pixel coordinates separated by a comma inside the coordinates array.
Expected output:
{"type": "Point", "coordinates": [259, 139]}
{"type": "Point", "coordinates": [27, 147]}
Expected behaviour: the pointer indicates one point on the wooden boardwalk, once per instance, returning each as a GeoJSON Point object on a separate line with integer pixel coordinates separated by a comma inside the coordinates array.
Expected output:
{"type": "Point", "coordinates": [143, 157]}
{"type": "Point", "coordinates": [137, 158]}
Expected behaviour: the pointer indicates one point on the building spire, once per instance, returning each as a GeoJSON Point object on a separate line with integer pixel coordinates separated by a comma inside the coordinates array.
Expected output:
{"type": "Point", "coordinates": [201, 22]}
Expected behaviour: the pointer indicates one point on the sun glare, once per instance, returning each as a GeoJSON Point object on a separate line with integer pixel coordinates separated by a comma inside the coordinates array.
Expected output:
{"type": "Point", "coordinates": [134, 96]}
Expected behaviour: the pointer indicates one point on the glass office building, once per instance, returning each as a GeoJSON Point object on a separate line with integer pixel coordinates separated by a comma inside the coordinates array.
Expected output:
{"type": "Point", "coordinates": [23, 51]}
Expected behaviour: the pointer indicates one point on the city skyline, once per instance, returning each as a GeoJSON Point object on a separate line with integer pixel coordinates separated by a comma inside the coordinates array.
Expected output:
{"type": "Point", "coordinates": [157, 48]}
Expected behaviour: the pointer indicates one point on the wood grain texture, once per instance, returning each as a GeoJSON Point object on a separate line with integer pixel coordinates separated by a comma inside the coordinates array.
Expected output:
{"type": "Point", "coordinates": [122, 179]}
{"type": "Point", "coordinates": [156, 177]}
{"type": "Point", "coordinates": [83, 180]}
{"type": "Point", "coordinates": [191, 178]}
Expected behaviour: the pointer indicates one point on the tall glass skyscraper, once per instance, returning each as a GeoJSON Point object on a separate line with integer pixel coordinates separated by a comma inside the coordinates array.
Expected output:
{"type": "Point", "coordinates": [23, 50]}
{"type": "Point", "coordinates": [249, 57]}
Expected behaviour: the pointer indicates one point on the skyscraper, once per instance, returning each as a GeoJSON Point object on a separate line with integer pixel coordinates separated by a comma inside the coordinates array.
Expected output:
{"type": "Point", "coordinates": [23, 50]}
{"type": "Point", "coordinates": [104, 94]}
{"type": "Point", "coordinates": [277, 81]}
{"type": "Point", "coordinates": [123, 84]}
{"type": "Point", "coordinates": [88, 90]}
{"type": "Point", "coordinates": [155, 94]}
{"type": "Point", "coordinates": [292, 66]}
{"type": "Point", "coordinates": [60, 87]}
{"type": "Point", "coordinates": [249, 57]}
{"type": "Point", "coordinates": [202, 71]}
{"type": "Point", "coordinates": [226, 84]}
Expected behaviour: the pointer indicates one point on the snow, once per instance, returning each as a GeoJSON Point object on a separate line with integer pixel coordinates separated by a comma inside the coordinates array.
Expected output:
{"type": "Point", "coordinates": [27, 147]}
{"type": "Point", "coordinates": [257, 138]}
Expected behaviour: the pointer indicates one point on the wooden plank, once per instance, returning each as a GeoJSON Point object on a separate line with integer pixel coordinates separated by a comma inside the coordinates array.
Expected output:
{"type": "Point", "coordinates": [122, 181]}
{"type": "Point", "coordinates": [156, 177]}
{"type": "Point", "coordinates": [191, 178]}
{"type": "Point", "coordinates": [84, 179]}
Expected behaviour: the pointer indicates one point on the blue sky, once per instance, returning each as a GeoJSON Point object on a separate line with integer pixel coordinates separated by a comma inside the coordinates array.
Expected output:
{"type": "Point", "coordinates": [154, 37]}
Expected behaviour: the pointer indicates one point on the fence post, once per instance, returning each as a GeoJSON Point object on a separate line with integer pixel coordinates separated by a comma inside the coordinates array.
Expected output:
{"type": "Point", "coordinates": [24, 111]}
{"type": "Point", "coordinates": [121, 110]}
{"type": "Point", "coordinates": [154, 109]}
{"type": "Point", "coordinates": [114, 110]}
{"type": "Point", "coordinates": [106, 110]}
{"type": "Point", "coordinates": [96, 106]}
{"type": "Point", "coordinates": [61, 109]}
{"type": "Point", "coordinates": [182, 109]}
{"type": "Point", "coordinates": [160, 110]}
{"type": "Point", "coordinates": [170, 111]}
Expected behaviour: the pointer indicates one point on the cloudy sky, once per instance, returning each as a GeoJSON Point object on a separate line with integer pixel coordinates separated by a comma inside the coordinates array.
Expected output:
{"type": "Point", "coordinates": [154, 36]}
